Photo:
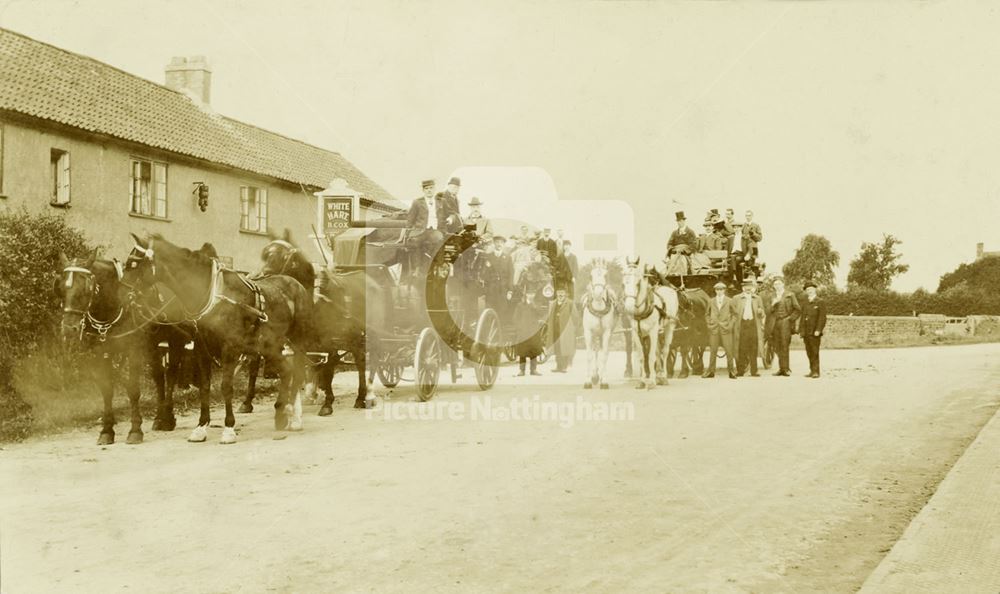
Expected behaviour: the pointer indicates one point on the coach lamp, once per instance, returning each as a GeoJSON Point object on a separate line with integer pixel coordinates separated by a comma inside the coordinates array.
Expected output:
{"type": "Point", "coordinates": [201, 188]}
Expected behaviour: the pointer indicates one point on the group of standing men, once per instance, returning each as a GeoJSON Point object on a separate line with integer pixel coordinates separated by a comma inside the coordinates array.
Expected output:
{"type": "Point", "coordinates": [739, 324]}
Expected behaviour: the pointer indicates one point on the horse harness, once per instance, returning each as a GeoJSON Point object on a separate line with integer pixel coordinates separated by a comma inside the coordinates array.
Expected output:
{"type": "Point", "coordinates": [88, 321]}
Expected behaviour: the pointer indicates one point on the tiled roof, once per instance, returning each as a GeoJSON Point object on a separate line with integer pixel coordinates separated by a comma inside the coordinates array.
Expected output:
{"type": "Point", "coordinates": [46, 82]}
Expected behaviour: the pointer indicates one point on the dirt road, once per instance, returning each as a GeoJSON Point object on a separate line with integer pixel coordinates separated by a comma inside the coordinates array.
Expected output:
{"type": "Point", "coordinates": [758, 484]}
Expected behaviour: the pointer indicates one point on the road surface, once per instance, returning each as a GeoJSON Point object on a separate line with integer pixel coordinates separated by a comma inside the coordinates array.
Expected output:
{"type": "Point", "coordinates": [759, 484]}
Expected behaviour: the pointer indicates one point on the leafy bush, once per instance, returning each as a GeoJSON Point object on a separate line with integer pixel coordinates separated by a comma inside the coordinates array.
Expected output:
{"type": "Point", "coordinates": [29, 253]}
{"type": "Point", "coordinates": [958, 301]}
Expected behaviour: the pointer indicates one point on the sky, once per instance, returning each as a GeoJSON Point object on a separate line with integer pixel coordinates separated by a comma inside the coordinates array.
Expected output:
{"type": "Point", "coordinates": [846, 119]}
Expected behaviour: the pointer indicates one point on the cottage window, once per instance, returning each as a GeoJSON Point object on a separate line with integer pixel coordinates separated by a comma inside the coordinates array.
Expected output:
{"type": "Point", "coordinates": [148, 189]}
{"type": "Point", "coordinates": [253, 209]}
{"type": "Point", "coordinates": [59, 161]}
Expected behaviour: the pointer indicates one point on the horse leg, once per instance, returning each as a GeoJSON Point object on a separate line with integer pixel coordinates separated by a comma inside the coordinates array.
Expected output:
{"type": "Point", "coordinates": [661, 357]}
{"type": "Point", "coordinates": [359, 361]}
{"type": "Point", "coordinates": [602, 363]}
{"type": "Point", "coordinates": [668, 336]}
{"type": "Point", "coordinates": [156, 369]}
{"type": "Point", "coordinates": [281, 406]}
{"type": "Point", "coordinates": [200, 433]}
{"type": "Point", "coordinates": [105, 384]}
{"type": "Point", "coordinates": [644, 372]}
{"type": "Point", "coordinates": [229, 362]}
{"type": "Point", "coordinates": [325, 379]}
{"type": "Point", "coordinates": [253, 369]}
{"type": "Point", "coordinates": [684, 354]}
{"type": "Point", "coordinates": [297, 367]}
{"type": "Point", "coordinates": [175, 359]}
{"type": "Point", "coordinates": [629, 372]}
{"type": "Point", "coordinates": [135, 365]}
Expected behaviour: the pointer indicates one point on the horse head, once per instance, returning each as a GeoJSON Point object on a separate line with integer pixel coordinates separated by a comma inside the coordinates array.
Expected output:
{"type": "Point", "coordinates": [282, 257]}
{"type": "Point", "coordinates": [88, 289]}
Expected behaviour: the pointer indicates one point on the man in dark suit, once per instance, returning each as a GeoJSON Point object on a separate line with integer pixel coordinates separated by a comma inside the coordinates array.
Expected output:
{"type": "Point", "coordinates": [720, 317]}
{"type": "Point", "coordinates": [436, 212]}
{"type": "Point", "coordinates": [811, 327]}
{"type": "Point", "coordinates": [547, 246]}
{"type": "Point", "coordinates": [783, 311]}
{"type": "Point", "coordinates": [497, 276]}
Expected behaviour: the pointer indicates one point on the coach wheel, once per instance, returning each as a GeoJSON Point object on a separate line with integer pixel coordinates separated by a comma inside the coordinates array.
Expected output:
{"type": "Point", "coordinates": [427, 363]}
{"type": "Point", "coordinates": [768, 355]}
{"type": "Point", "coordinates": [486, 350]}
{"type": "Point", "coordinates": [389, 374]}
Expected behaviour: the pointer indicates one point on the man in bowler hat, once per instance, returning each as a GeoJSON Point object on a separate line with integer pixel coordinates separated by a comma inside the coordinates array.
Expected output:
{"type": "Point", "coordinates": [748, 329]}
{"type": "Point", "coordinates": [811, 326]}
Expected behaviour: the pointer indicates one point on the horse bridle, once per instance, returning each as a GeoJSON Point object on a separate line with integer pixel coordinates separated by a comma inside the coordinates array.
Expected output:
{"type": "Point", "coordinates": [87, 319]}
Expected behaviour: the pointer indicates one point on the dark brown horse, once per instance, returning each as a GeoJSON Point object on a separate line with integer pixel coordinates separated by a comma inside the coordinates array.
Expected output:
{"type": "Point", "coordinates": [278, 257]}
{"type": "Point", "coordinates": [349, 315]}
{"type": "Point", "coordinates": [95, 313]}
{"type": "Point", "coordinates": [242, 316]}
{"type": "Point", "coordinates": [691, 336]}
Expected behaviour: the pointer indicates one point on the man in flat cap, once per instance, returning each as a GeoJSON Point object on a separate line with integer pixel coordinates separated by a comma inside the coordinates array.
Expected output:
{"type": "Point", "coordinates": [782, 313]}
{"type": "Point", "coordinates": [720, 318]}
{"type": "Point", "coordinates": [682, 241]}
{"type": "Point", "coordinates": [811, 326]}
{"type": "Point", "coordinates": [748, 329]}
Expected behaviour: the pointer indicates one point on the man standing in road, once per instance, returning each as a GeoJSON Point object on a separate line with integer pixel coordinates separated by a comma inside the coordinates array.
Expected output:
{"type": "Point", "coordinates": [811, 328]}
{"type": "Point", "coordinates": [783, 312]}
{"type": "Point", "coordinates": [720, 318]}
{"type": "Point", "coordinates": [748, 330]}
{"type": "Point", "coordinates": [561, 328]}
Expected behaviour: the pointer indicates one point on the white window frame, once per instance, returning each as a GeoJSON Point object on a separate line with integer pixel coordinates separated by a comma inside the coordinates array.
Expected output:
{"type": "Point", "coordinates": [148, 196]}
{"type": "Point", "coordinates": [60, 173]}
{"type": "Point", "coordinates": [253, 209]}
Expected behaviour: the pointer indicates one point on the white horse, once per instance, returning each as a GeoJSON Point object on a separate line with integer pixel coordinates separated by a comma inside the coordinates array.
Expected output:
{"type": "Point", "coordinates": [599, 317]}
{"type": "Point", "coordinates": [654, 308]}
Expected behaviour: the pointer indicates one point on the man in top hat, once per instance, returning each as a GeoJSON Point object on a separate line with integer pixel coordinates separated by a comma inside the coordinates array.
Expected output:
{"type": "Point", "coordinates": [720, 317]}
{"type": "Point", "coordinates": [748, 329]}
{"type": "Point", "coordinates": [484, 229]}
{"type": "Point", "coordinates": [681, 243]}
{"type": "Point", "coordinates": [811, 326]}
{"type": "Point", "coordinates": [782, 313]}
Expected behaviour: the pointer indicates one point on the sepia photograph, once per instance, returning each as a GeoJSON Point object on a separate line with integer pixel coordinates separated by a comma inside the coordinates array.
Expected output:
{"type": "Point", "coordinates": [525, 296]}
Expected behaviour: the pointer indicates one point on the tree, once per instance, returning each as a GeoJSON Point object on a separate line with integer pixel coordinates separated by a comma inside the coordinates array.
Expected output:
{"type": "Point", "coordinates": [814, 260]}
{"type": "Point", "coordinates": [876, 265]}
{"type": "Point", "coordinates": [981, 275]}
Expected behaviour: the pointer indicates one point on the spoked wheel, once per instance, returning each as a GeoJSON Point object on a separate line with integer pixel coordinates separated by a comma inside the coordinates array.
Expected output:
{"type": "Point", "coordinates": [767, 355]}
{"type": "Point", "coordinates": [486, 350]}
{"type": "Point", "coordinates": [389, 373]}
{"type": "Point", "coordinates": [427, 363]}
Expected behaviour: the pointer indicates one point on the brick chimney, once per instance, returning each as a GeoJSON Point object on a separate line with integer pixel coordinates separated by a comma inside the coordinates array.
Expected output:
{"type": "Point", "coordinates": [190, 74]}
{"type": "Point", "coordinates": [979, 250]}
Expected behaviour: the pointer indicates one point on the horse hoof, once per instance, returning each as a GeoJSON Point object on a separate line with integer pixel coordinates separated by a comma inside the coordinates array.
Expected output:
{"type": "Point", "coordinates": [604, 386]}
{"type": "Point", "coordinates": [683, 375]}
{"type": "Point", "coordinates": [164, 424]}
{"type": "Point", "coordinates": [359, 403]}
{"type": "Point", "coordinates": [134, 438]}
{"type": "Point", "coordinates": [198, 434]}
{"type": "Point", "coordinates": [246, 407]}
{"type": "Point", "coordinates": [661, 381]}
{"type": "Point", "coordinates": [295, 425]}
{"type": "Point", "coordinates": [106, 439]}
{"type": "Point", "coordinates": [280, 421]}
{"type": "Point", "coordinates": [228, 435]}
{"type": "Point", "coordinates": [640, 386]}
{"type": "Point", "coordinates": [588, 386]}
{"type": "Point", "coordinates": [325, 411]}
